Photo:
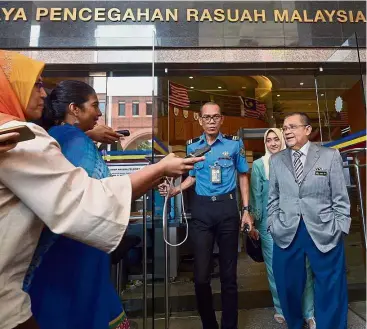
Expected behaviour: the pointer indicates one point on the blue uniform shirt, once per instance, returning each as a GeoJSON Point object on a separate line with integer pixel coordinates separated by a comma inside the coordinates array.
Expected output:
{"type": "Point", "coordinates": [228, 153]}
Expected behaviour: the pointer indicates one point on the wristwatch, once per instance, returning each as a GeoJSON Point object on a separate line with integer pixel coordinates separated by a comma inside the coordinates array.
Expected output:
{"type": "Point", "coordinates": [246, 208]}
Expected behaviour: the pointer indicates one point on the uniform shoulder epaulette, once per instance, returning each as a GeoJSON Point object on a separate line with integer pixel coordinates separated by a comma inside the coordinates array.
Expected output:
{"type": "Point", "coordinates": [194, 140]}
{"type": "Point", "coordinates": [232, 138]}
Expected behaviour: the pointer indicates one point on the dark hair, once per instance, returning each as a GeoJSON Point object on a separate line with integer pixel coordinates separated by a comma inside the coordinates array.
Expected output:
{"type": "Point", "coordinates": [58, 101]}
{"type": "Point", "coordinates": [304, 117]}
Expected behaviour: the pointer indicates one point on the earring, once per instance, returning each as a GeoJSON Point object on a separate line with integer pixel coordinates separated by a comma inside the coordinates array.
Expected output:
{"type": "Point", "coordinates": [76, 122]}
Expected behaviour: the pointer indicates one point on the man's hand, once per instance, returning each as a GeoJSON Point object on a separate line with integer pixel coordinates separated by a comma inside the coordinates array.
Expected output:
{"type": "Point", "coordinates": [104, 134]}
{"type": "Point", "coordinates": [8, 141]}
{"type": "Point", "coordinates": [254, 234]}
{"type": "Point", "coordinates": [247, 219]}
{"type": "Point", "coordinates": [165, 189]}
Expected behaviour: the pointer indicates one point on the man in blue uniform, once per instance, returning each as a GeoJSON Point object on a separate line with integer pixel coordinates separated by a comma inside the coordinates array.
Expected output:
{"type": "Point", "coordinates": [215, 215]}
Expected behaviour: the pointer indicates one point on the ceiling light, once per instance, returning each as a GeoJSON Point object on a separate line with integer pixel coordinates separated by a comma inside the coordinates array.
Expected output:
{"type": "Point", "coordinates": [219, 87]}
{"type": "Point", "coordinates": [165, 70]}
{"type": "Point", "coordinates": [321, 69]}
{"type": "Point", "coordinates": [191, 87]}
{"type": "Point", "coordinates": [301, 83]}
{"type": "Point", "coordinates": [191, 77]}
{"type": "Point", "coordinates": [97, 74]}
{"type": "Point", "coordinates": [322, 95]}
{"type": "Point", "coordinates": [278, 95]}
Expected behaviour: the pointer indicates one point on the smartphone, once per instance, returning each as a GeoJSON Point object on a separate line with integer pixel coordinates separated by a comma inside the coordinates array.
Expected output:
{"type": "Point", "coordinates": [123, 132]}
{"type": "Point", "coordinates": [199, 152]}
{"type": "Point", "coordinates": [24, 132]}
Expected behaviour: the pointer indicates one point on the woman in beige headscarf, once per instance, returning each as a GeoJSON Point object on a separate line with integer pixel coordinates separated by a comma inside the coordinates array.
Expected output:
{"type": "Point", "coordinates": [38, 187]}
{"type": "Point", "coordinates": [274, 143]}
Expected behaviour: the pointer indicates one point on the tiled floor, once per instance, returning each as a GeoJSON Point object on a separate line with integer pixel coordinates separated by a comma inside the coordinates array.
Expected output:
{"type": "Point", "coordinates": [359, 308]}
{"type": "Point", "coordinates": [254, 295]}
{"type": "Point", "coordinates": [252, 285]}
{"type": "Point", "coordinates": [248, 319]}
{"type": "Point", "coordinates": [252, 276]}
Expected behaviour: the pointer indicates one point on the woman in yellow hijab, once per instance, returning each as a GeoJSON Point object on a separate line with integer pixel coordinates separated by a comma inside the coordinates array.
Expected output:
{"type": "Point", "coordinates": [21, 98]}
{"type": "Point", "coordinates": [21, 94]}
{"type": "Point", "coordinates": [38, 187]}
{"type": "Point", "coordinates": [274, 143]}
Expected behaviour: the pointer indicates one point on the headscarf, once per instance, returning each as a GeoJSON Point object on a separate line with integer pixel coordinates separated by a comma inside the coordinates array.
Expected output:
{"type": "Point", "coordinates": [267, 155]}
{"type": "Point", "coordinates": [18, 74]}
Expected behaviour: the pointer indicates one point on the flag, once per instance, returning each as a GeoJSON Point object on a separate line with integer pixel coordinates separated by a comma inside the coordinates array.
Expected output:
{"type": "Point", "coordinates": [178, 96]}
{"type": "Point", "coordinates": [252, 108]}
{"type": "Point", "coordinates": [246, 107]}
{"type": "Point", "coordinates": [339, 119]}
{"type": "Point", "coordinates": [229, 105]}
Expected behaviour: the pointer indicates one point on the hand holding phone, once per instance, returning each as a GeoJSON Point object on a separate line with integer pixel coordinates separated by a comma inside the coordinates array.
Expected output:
{"type": "Point", "coordinates": [124, 132]}
{"type": "Point", "coordinates": [23, 133]}
{"type": "Point", "coordinates": [174, 166]}
{"type": "Point", "coordinates": [104, 134]}
{"type": "Point", "coordinates": [8, 141]}
{"type": "Point", "coordinates": [199, 152]}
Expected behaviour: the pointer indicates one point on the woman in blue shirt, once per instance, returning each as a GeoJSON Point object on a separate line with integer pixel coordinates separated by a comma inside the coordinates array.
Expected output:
{"type": "Point", "coordinates": [68, 281]}
{"type": "Point", "coordinates": [274, 142]}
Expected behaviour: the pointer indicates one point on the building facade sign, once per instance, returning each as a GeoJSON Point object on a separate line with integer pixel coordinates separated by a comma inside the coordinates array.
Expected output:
{"type": "Point", "coordinates": [172, 14]}
{"type": "Point", "coordinates": [116, 24]}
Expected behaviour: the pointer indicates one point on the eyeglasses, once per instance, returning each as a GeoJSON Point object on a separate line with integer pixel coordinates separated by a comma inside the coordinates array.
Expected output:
{"type": "Point", "coordinates": [208, 118]}
{"type": "Point", "coordinates": [39, 85]}
{"type": "Point", "coordinates": [292, 127]}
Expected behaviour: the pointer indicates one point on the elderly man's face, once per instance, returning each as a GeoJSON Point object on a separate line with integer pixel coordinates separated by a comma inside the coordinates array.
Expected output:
{"type": "Point", "coordinates": [296, 132]}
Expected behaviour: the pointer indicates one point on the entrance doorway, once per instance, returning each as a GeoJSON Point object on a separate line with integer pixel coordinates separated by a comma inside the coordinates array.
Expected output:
{"type": "Point", "coordinates": [281, 93]}
{"type": "Point", "coordinates": [159, 284]}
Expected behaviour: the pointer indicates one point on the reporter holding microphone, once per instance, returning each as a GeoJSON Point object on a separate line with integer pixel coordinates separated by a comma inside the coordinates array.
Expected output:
{"type": "Point", "coordinates": [39, 187]}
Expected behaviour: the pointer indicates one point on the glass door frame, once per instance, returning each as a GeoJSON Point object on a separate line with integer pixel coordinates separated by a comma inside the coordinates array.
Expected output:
{"type": "Point", "coordinates": [348, 51]}
{"type": "Point", "coordinates": [157, 225]}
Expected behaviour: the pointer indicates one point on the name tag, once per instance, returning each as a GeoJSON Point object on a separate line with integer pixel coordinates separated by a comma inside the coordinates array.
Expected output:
{"type": "Point", "coordinates": [216, 175]}
{"type": "Point", "coordinates": [321, 173]}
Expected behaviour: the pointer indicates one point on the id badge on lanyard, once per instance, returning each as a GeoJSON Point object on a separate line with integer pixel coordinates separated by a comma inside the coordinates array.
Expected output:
{"type": "Point", "coordinates": [216, 174]}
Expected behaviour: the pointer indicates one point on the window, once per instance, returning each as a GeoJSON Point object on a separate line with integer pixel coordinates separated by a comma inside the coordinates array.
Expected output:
{"type": "Point", "coordinates": [121, 109]}
{"type": "Point", "coordinates": [135, 108]}
{"type": "Point", "coordinates": [102, 107]}
{"type": "Point", "coordinates": [149, 109]}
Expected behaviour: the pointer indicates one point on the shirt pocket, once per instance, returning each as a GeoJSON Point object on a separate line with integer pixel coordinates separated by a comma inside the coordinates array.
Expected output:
{"type": "Point", "coordinates": [326, 216]}
{"type": "Point", "coordinates": [199, 165]}
{"type": "Point", "coordinates": [319, 185]}
{"type": "Point", "coordinates": [282, 216]}
{"type": "Point", "coordinates": [227, 166]}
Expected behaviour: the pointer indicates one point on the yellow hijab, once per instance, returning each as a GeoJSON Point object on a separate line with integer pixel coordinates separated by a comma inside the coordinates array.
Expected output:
{"type": "Point", "coordinates": [266, 157]}
{"type": "Point", "coordinates": [18, 74]}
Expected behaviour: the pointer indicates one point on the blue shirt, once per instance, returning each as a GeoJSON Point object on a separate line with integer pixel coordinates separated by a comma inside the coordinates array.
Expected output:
{"type": "Point", "coordinates": [228, 153]}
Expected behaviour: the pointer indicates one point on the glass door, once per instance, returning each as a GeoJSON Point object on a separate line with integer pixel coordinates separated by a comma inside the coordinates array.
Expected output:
{"type": "Point", "coordinates": [161, 228]}
{"type": "Point", "coordinates": [342, 113]}
{"type": "Point", "coordinates": [130, 102]}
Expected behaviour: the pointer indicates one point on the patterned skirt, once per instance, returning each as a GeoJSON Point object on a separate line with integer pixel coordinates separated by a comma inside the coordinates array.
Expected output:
{"type": "Point", "coordinates": [121, 322]}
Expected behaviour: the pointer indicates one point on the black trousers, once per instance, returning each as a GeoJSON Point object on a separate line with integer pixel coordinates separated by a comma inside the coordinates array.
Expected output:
{"type": "Point", "coordinates": [215, 221]}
